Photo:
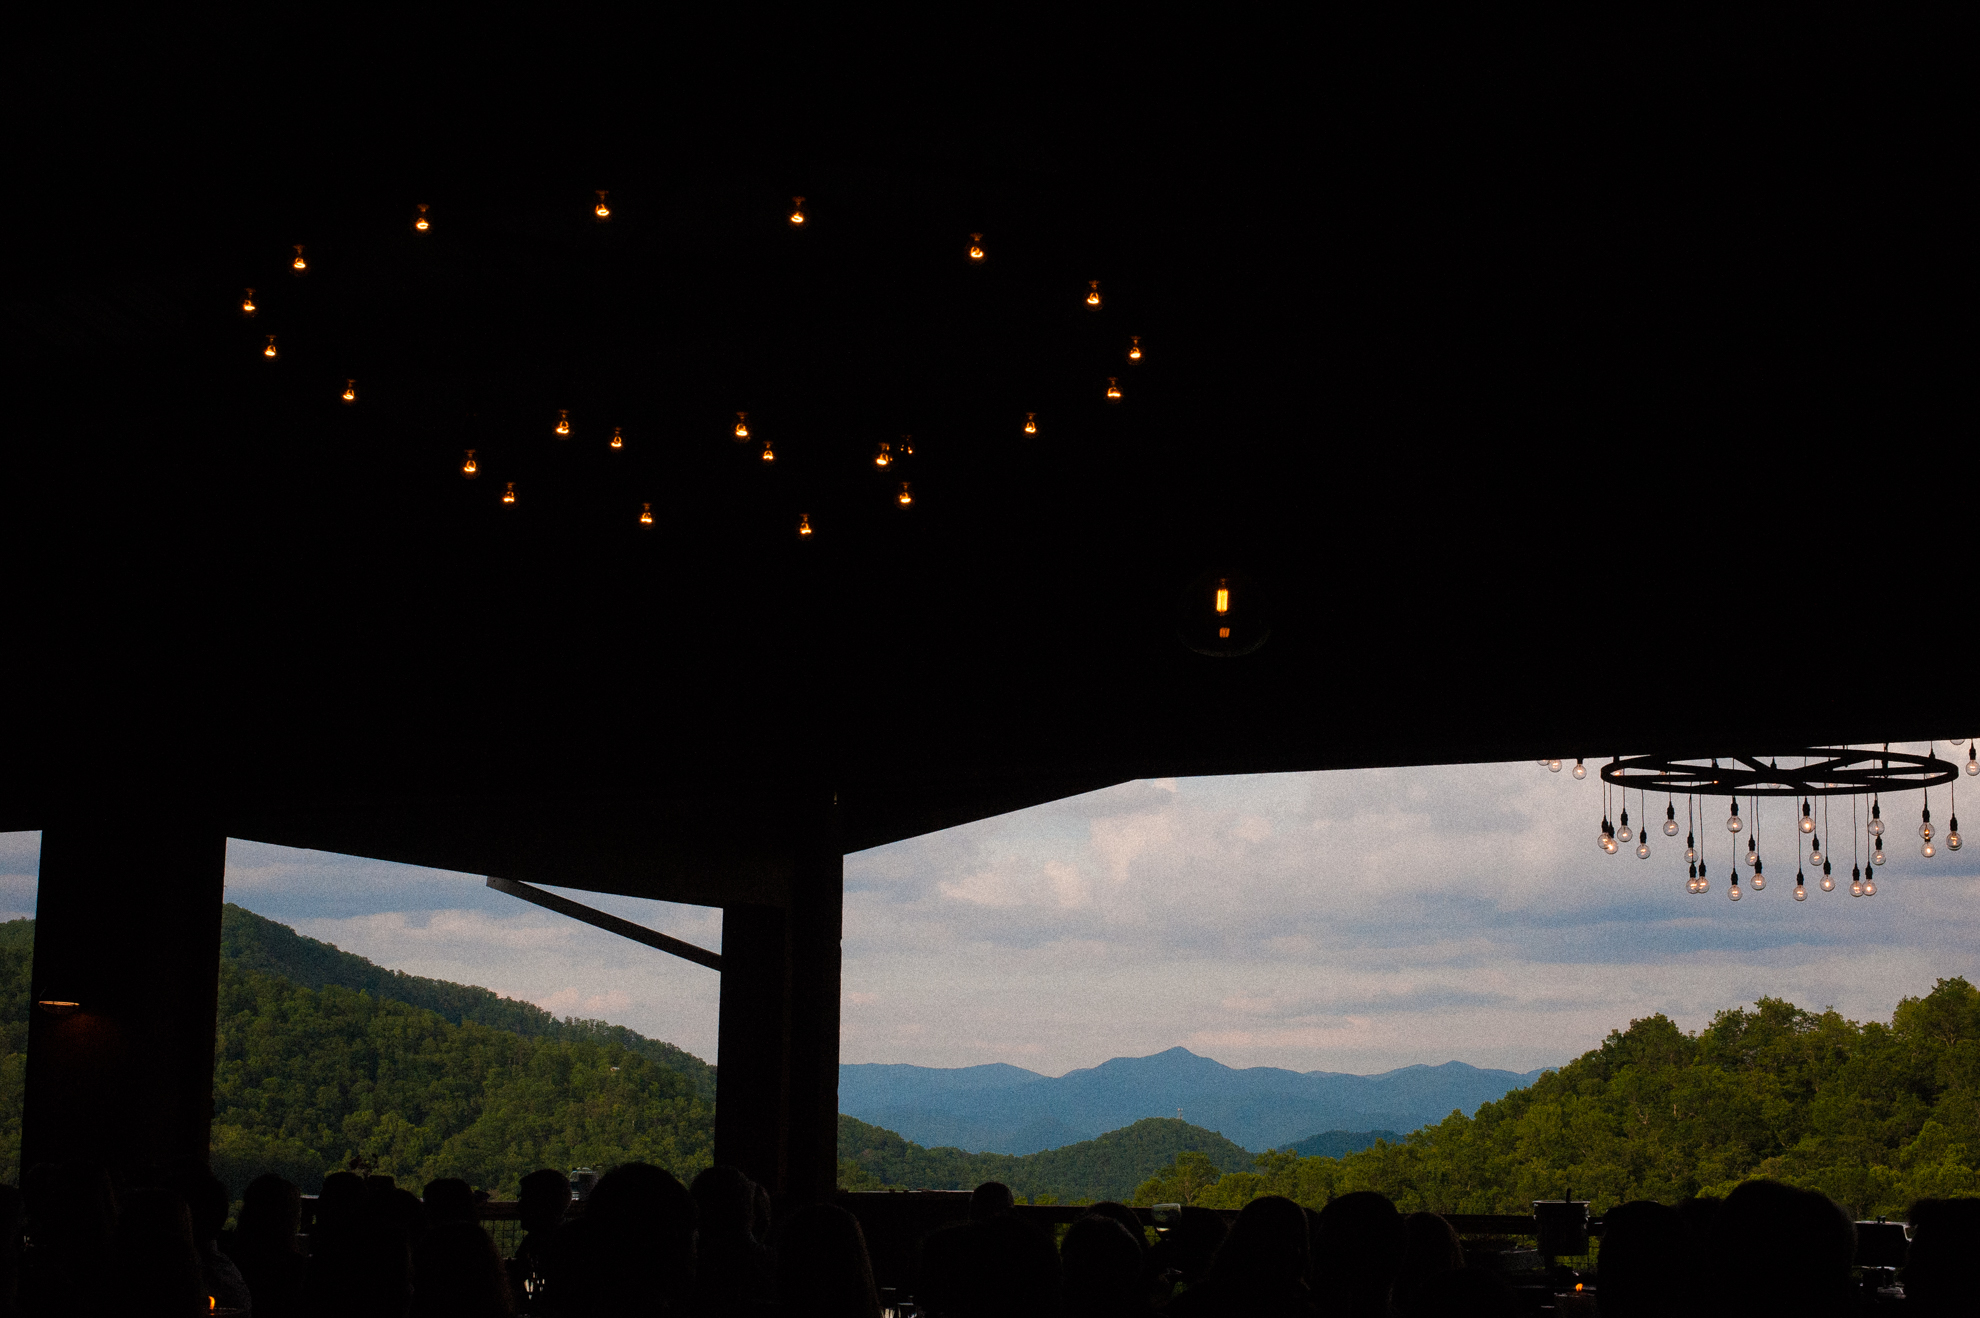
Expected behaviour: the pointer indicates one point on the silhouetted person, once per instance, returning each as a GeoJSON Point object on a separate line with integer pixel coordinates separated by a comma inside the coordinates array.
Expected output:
{"type": "Point", "coordinates": [13, 1211]}
{"type": "Point", "coordinates": [449, 1199]}
{"type": "Point", "coordinates": [208, 1203]}
{"type": "Point", "coordinates": [1127, 1217]}
{"type": "Point", "coordinates": [1259, 1270]}
{"type": "Point", "coordinates": [457, 1273]}
{"type": "Point", "coordinates": [1356, 1254]}
{"type": "Point", "coordinates": [1184, 1253]}
{"type": "Point", "coordinates": [156, 1266]}
{"type": "Point", "coordinates": [732, 1267]}
{"type": "Point", "coordinates": [72, 1222]}
{"type": "Point", "coordinates": [1646, 1263]}
{"type": "Point", "coordinates": [1467, 1293]}
{"type": "Point", "coordinates": [1784, 1251]}
{"type": "Point", "coordinates": [989, 1199]}
{"type": "Point", "coordinates": [543, 1202]}
{"type": "Point", "coordinates": [1942, 1269]}
{"type": "Point", "coordinates": [822, 1267]}
{"type": "Point", "coordinates": [1102, 1270]}
{"type": "Point", "coordinates": [632, 1253]}
{"type": "Point", "coordinates": [1001, 1267]}
{"type": "Point", "coordinates": [265, 1246]}
{"type": "Point", "coordinates": [1430, 1249]}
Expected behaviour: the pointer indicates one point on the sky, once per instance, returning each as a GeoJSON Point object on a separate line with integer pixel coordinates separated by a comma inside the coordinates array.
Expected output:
{"type": "Point", "coordinates": [1344, 921]}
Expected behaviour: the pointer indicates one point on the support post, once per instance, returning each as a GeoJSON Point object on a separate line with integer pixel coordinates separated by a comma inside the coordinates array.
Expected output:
{"type": "Point", "coordinates": [127, 928]}
{"type": "Point", "coordinates": [777, 1058]}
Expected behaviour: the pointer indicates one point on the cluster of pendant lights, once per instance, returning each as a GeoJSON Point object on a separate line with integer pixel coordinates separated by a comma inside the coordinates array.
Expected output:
{"type": "Point", "coordinates": [1862, 876]}
{"type": "Point", "coordinates": [885, 457]}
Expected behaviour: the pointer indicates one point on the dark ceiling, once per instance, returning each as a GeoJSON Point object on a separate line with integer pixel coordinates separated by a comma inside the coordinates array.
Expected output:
{"type": "Point", "coordinates": [1514, 379]}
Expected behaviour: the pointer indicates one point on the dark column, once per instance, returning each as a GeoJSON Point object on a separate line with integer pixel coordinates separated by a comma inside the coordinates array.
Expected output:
{"type": "Point", "coordinates": [777, 1059]}
{"type": "Point", "coordinates": [127, 927]}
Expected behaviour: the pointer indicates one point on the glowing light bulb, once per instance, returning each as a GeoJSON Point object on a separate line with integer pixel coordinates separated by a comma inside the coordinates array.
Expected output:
{"type": "Point", "coordinates": [1670, 821]}
{"type": "Point", "coordinates": [470, 468]}
{"type": "Point", "coordinates": [1828, 879]}
{"type": "Point", "coordinates": [742, 426]}
{"type": "Point", "coordinates": [1815, 853]}
{"type": "Point", "coordinates": [1733, 892]}
{"type": "Point", "coordinates": [1800, 893]}
{"type": "Point", "coordinates": [599, 208]}
{"type": "Point", "coordinates": [1855, 884]}
{"type": "Point", "coordinates": [906, 497]}
{"type": "Point", "coordinates": [976, 247]}
{"type": "Point", "coordinates": [1877, 856]}
{"type": "Point", "coordinates": [1690, 848]}
{"type": "Point", "coordinates": [1223, 604]}
{"type": "Point", "coordinates": [618, 440]}
{"type": "Point", "coordinates": [1876, 819]}
{"type": "Point", "coordinates": [1113, 390]}
{"type": "Point", "coordinates": [420, 223]}
{"type": "Point", "coordinates": [350, 391]}
{"type": "Point", "coordinates": [1092, 292]}
{"type": "Point", "coordinates": [1953, 840]}
{"type": "Point", "coordinates": [1031, 423]}
{"type": "Point", "coordinates": [1807, 819]}
{"type": "Point", "coordinates": [1643, 848]}
{"type": "Point", "coordinates": [248, 308]}
{"type": "Point", "coordinates": [563, 427]}
{"type": "Point", "coordinates": [804, 526]}
{"type": "Point", "coordinates": [1609, 844]}
{"type": "Point", "coordinates": [1869, 885]}
{"type": "Point", "coordinates": [509, 494]}
{"type": "Point", "coordinates": [269, 351]}
{"type": "Point", "coordinates": [797, 212]}
{"type": "Point", "coordinates": [1580, 769]}
{"type": "Point", "coordinates": [1927, 850]}
{"type": "Point", "coordinates": [1541, 763]}
{"type": "Point", "coordinates": [300, 264]}
{"type": "Point", "coordinates": [1553, 766]}
{"type": "Point", "coordinates": [883, 455]}
{"type": "Point", "coordinates": [646, 514]}
{"type": "Point", "coordinates": [1623, 834]}
{"type": "Point", "coordinates": [768, 456]}
{"type": "Point", "coordinates": [1973, 764]}
{"type": "Point", "coordinates": [1134, 348]}
{"type": "Point", "coordinates": [1752, 855]}
{"type": "Point", "coordinates": [1759, 879]}
{"type": "Point", "coordinates": [1925, 829]}
{"type": "Point", "coordinates": [1733, 822]}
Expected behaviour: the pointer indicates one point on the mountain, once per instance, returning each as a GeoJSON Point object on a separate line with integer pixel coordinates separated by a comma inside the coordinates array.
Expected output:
{"type": "Point", "coordinates": [1007, 1109]}
{"type": "Point", "coordinates": [1340, 1143]}
{"type": "Point", "coordinates": [1109, 1167]}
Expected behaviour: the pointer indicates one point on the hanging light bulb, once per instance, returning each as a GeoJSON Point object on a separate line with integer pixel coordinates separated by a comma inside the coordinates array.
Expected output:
{"type": "Point", "coordinates": [1855, 881]}
{"type": "Point", "coordinates": [1733, 822]}
{"type": "Point", "coordinates": [804, 526]}
{"type": "Point", "coordinates": [470, 468]}
{"type": "Point", "coordinates": [599, 208]}
{"type": "Point", "coordinates": [768, 456]}
{"type": "Point", "coordinates": [646, 514]}
{"type": "Point", "coordinates": [1876, 820]}
{"type": "Point", "coordinates": [1807, 819]}
{"type": "Point", "coordinates": [269, 351]}
{"type": "Point", "coordinates": [1223, 597]}
{"type": "Point", "coordinates": [742, 426]}
{"type": "Point", "coordinates": [1134, 348]}
{"type": "Point", "coordinates": [797, 212]}
{"type": "Point", "coordinates": [905, 448]}
{"type": "Point", "coordinates": [1643, 847]}
{"type": "Point", "coordinates": [1800, 893]}
{"type": "Point", "coordinates": [1828, 878]}
{"type": "Point", "coordinates": [1031, 423]}
{"type": "Point", "coordinates": [1092, 292]}
{"type": "Point", "coordinates": [883, 455]}
{"type": "Point", "coordinates": [1690, 847]}
{"type": "Point", "coordinates": [1973, 759]}
{"type": "Point", "coordinates": [509, 494]}
{"type": "Point", "coordinates": [906, 497]}
{"type": "Point", "coordinates": [1759, 876]}
{"type": "Point", "coordinates": [420, 223]}
{"type": "Point", "coordinates": [350, 391]}
{"type": "Point", "coordinates": [1580, 769]}
{"type": "Point", "coordinates": [1752, 855]}
{"type": "Point", "coordinates": [618, 439]}
{"type": "Point", "coordinates": [300, 263]}
{"type": "Point", "coordinates": [1869, 885]}
{"type": "Point", "coordinates": [1877, 856]}
{"type": "Point", "coordinates": [976, 247]}
{"type": "Point", "coordinates": [1553, 766]}
{"type": "Point", "coordinates": [563, 427]}
{"type": "Point", "coordinates": [1622, 834]}
{"type": "Point", "coordinates": [1113, 390]}
{"type": "Point", "coordinates": [1925, 829]}
{"type": "Point", "coordinates": [1670, 821]}
{"type": "Point", "coordinates": [1733, 893]}
{"type": "Point", "coordinates": [1953, 840]}
{"type": "Point", "coordinates": [1928, 849]}
{"type": "Point", "coordinates": [248, 308]}
{"type": "Point", "coordinates": [1815, 853]}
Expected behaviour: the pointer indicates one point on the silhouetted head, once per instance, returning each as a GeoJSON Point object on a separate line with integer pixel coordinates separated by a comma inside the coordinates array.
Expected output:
{"type": "Point", "coordinates": [1647, 1262]}
{"type": "Point", "coordinates": [1465, 1293]}
{"type": "Point", "coordinates": [157, 1267]}
{"type": "Point", "coordinates": [990, 1199]}
{"type": "Point", "coordinates": [1266, 1250]}
{"type": "Point", "coordinates": [1188, 1247]}
{"type": "Point", "coordinates": [1102, 1268]}
{"type": "Point", "coordinates": [206, 1199]}
{"type": "Point", "coordinates": [1127, 1217]}
{"type": "Point", "coordinates": [340, 1205]}
{"type": "Point", "coordinates": [544, 1199]}
{"type": "Point", "coordinates": [449, 1199]}
{"type": "Point", "coordinates": [726, 1202]}
{"type": "Point", "coordinates": [822, 1267]}
{"type": "Point", "coordinates": [401, 1212]}
{"type": "Point", "coordinates": [642, 1223]}
{"type": "Point", "coordinates": [1357, 1251]}
{"type": "Point", "coordinates": [1784, 1250]}
{"type": "Point", "coordinates": [1013, 1269]}
{"type": "Point", "coordinates": [271, 1214]}
{"type": "Point", "coordinates": [458, 1274]}
{"type": "Point", "coordinates": [1942, 1271]}
{"type": "Point", "coordinates": [1430, 1249]}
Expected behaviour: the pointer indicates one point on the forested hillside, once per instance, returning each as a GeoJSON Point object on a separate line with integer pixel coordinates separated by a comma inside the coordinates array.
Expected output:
{"type": "Point", "coordinates": [1872, 1115]}
{"type": "Point", "coordinates": [1109, 1167]}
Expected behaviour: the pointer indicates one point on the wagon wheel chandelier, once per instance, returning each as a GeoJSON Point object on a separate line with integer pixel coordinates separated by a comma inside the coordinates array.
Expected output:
{"type": "Point", "coordinates": [1813, 776]}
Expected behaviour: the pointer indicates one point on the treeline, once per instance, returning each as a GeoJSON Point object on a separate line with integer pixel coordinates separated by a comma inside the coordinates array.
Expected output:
{"type": "Point", "coordinates": [1875, 1116]}
{"type": "Point", "coordinates": [1109, 1167]}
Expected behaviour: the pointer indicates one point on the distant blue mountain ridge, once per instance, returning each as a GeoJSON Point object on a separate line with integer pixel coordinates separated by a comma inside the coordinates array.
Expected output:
{"type": "Point", "coordinates": [1000, 1108]}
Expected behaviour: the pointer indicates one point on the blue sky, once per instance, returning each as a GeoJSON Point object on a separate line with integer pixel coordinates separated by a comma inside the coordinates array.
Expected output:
{"type": "Point", "coordinates": [1350, 921]}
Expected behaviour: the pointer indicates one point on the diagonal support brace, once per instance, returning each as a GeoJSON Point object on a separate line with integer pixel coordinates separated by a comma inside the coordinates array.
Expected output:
{"type": "Point", "coordinates": [611, 924]}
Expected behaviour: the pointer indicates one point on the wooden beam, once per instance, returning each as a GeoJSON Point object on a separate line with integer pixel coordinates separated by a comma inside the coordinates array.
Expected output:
{"type": "Point", "coordinates": [611, 924]}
